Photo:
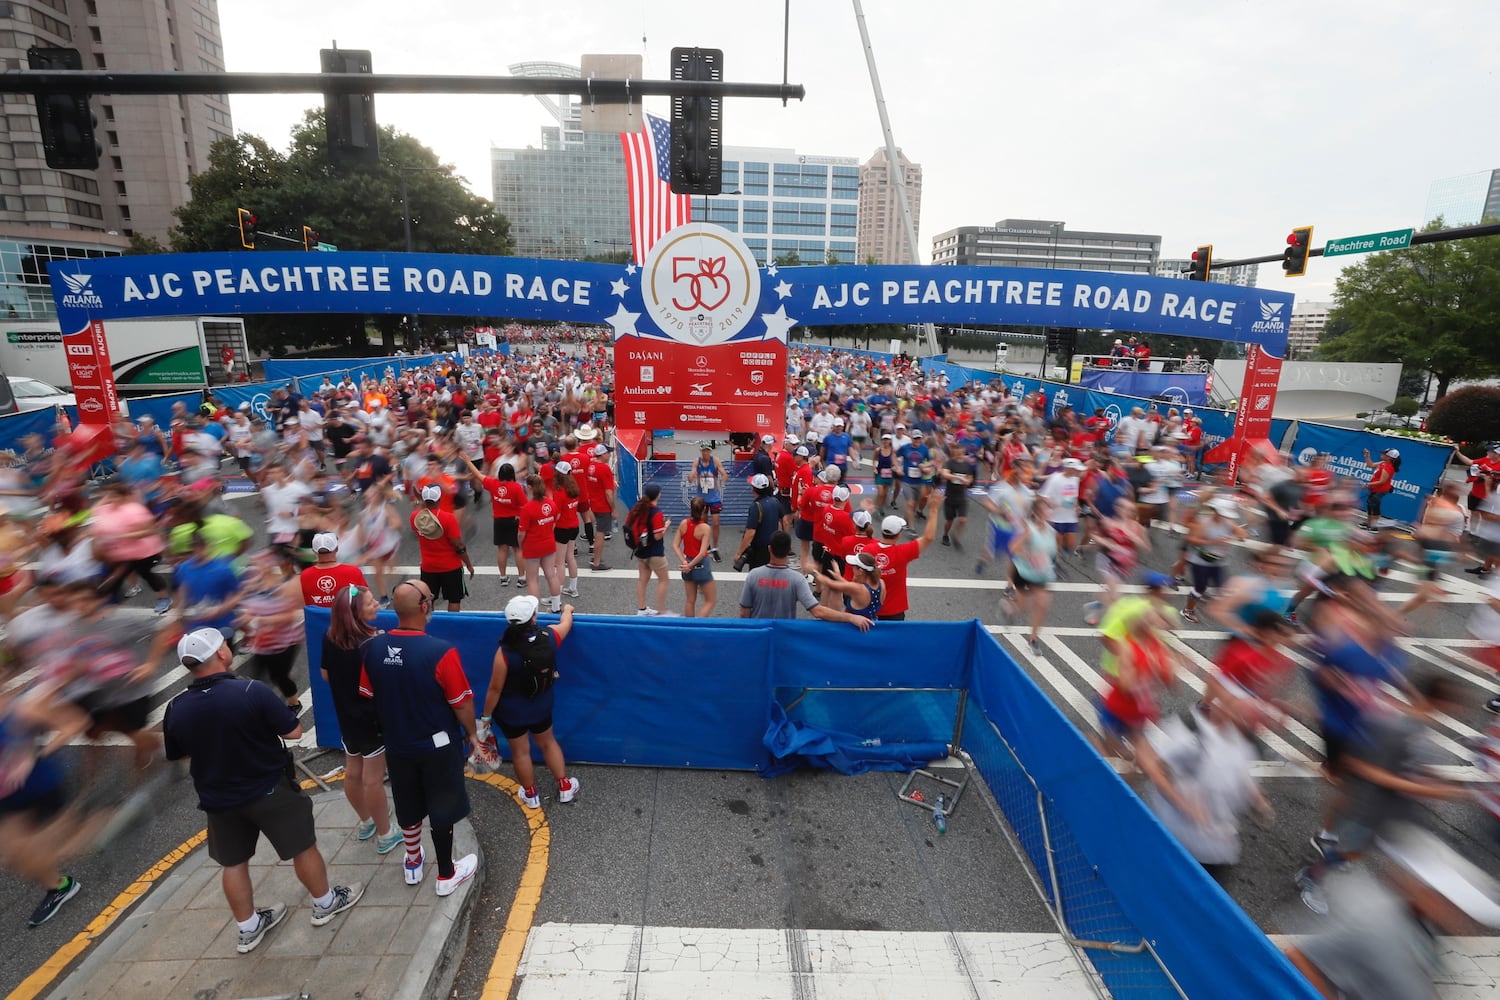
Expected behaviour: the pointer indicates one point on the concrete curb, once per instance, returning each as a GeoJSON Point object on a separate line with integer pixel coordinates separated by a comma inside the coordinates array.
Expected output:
{"type": "Point", "coordinates": [434, 964]}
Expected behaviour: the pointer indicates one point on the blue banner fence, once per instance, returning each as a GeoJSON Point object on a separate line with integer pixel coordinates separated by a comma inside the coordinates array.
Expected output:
{"type": "Point", "coordinates": [634, 692]}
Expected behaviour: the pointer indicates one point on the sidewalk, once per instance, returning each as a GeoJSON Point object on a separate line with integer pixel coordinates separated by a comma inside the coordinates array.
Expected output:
{"type": "Point", "coordinates": [179, 942]}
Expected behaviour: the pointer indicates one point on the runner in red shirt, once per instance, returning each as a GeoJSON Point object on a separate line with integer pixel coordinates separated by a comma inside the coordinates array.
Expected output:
{"type": "Point", "coordinates": [443, 553]}
{"type": "Point", "coordinates": [537, 527]}
{"type": "Point", "coordinates": [507, 497]}
{"type": "Point", "coordinates": [893, 556]}
{"type": "Point", "coordinates": [322, 581]}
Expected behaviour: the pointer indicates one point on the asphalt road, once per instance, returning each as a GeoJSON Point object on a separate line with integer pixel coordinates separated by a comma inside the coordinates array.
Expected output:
{"type": "Point", "coordinates": [944, 587]}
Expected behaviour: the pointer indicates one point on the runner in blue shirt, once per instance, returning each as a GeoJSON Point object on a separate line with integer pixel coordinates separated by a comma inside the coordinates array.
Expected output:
{"type": "Point", "coordinates": [836, 446]}
{"type": "Point", "coordinates": [708, 478]}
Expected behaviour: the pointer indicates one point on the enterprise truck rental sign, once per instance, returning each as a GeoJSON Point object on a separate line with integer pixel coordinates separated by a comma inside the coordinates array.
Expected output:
{"type": "Point", "coordinates": [713, 363]}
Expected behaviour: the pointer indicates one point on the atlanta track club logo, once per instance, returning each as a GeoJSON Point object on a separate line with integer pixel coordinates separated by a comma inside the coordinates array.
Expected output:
{"type": "Point", "coordinates": [700, 284]}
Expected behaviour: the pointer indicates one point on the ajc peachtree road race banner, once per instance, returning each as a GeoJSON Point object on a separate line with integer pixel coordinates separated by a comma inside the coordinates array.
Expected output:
{"type": "Point", "coordinates": [701, 291]}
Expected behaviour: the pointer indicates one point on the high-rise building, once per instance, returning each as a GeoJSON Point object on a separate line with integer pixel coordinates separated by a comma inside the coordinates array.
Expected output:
{"type": "Point", "coordinates": [152, 144]}
{"type": "Point", "coordinates": [882, 235]}
{"type": "Point", "coordinates": [1464, 200]}
{"type": "Point", "coordinates": [1243, 275]}
{"type": "Point", "coordinates": [1041, 243]}
{"type": "Point", "coordinates": [568, 199]}
{"type": "Point", "coordinates": [1305, 330]}
{"type": "Point", "coordinates": [783, 202]}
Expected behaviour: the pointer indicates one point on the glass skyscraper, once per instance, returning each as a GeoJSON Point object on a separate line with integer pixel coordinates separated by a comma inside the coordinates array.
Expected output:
{"type": "Point", "coordinates": [1464, 200]}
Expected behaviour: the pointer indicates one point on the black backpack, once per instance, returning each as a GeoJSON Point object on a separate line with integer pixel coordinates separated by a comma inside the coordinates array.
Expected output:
{"type": "Point", "coordinates": [537, 668]}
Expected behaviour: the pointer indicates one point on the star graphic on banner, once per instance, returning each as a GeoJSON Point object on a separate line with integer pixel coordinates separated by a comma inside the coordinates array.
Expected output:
{"type": "Point", "coordinates": [630, 268]}
{"type": "Point", "coordinates": [618, 287]}
{"type": "Point", "coordinates": [624, 322]}
{"type": "Point", "coordinates": [771, 270]}
{"type": "Point", "coordinates": [778, 323]}
{"type": "Point", "coordinates": [783, 289]}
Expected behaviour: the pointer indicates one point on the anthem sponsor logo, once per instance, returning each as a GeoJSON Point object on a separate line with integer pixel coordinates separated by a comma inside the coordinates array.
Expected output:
{"type": "Point", "coordinates": [1271, 320]}
{"type": "Point", "coordinates": [79, 295]}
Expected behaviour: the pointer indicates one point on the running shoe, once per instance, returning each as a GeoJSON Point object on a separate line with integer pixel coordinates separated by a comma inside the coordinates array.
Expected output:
{"type": "Point", "coordinates": [53, 901]}
{"type": "Point", "coordinates": [463, 870]}
{"type": "Point", "coordinates": [505, 581]}
{"type": "Point", "coordinates": [1311, 893]}
{"type": "Point", "coordinates": [1493, 705]}
{"type": "Point", "coordinates": [387, 844]}
{"type": "Point", "coordinates": [344, 896]}
{"type": "Point", "coordinates": [567, 790]}
{"type": "Point", "coordinates": [1324, 844]}
{"type": "Point", "coordinates": [1036, 646]}
{"type": "Point", "coordinates": [413, 872]}
{"type": "Point", "coordinates": [266, 919]}
{"type": "Point", "coordinates": [1092, 612]}
{"type": "Point", "coordinates": [1188, 616]}
{"type": "Point", "coordinates": [529, 798]}
{"type": "Point", "coordinates": [365, 830]}
{"type": "Point", "coordinates": [162, 605]}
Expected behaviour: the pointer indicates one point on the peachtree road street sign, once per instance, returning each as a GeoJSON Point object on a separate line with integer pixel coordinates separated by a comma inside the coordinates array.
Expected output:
{"type": "Point", "coordinates": [1396, 239]}
{"type": "Point", "coordinates": [327, 247]}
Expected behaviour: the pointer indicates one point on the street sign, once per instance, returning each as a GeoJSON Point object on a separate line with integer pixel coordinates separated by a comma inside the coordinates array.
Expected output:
{"type": "Point", "coordinates": [1396, 239]}
{"type": "Point", "coordinates": [327, 247]}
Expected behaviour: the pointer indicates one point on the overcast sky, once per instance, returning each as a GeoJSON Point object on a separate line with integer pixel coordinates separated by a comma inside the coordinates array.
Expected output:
{"type": "Point", "coordinates": [1222, 121]}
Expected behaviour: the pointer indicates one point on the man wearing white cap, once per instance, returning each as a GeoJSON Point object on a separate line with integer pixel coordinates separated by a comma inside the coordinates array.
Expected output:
{"type": "Point", "coordinates": [761, 522]}
{"type": "Point", "coordinates": [1061, 490]}
{"type": "Point", "coordinates": [322, 580]}
{"type": "Point", "coordinates": [231, 729]}
{"type": "Point", "coordinates": [762, 463]}
{"type": "Point", "coordinates": [444, 555]}
{"type": "Point", "coordinates": [893, 555]}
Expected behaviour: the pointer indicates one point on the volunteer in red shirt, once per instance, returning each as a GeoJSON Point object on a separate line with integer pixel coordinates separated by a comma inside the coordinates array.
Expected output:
{"type": "Point", "coordinates": [834, 523]}
{"type": "Point", "coordinates": [601, 498]}
{"type": "Point", "coordinates": [786, 467]}
{"type": "Point", "coordinates": [537, 527]}
{"type": "Point", "coordinates": [803, 479]}
{"type": "Point", "coordinates": [436, 477]}
{"type": "Point", "coordinates": [1382, 481]}
{"type": "Point", "coordinates": [815, 499]}
{"type": "Point", "coordinates": [893, 556]}
{"type": "Point", "coordinates": [443, 552]}
{"type": "Point", "coordinates": [1192, 443]}
{"type": "Point", "coordinates": [1482, 473]}
{"type": "Point", "coordinates": [507, 497]}
{"type": "Point", "coordinates": [568, 498]}
{"type": "Point", "coordinates": [322, 581]}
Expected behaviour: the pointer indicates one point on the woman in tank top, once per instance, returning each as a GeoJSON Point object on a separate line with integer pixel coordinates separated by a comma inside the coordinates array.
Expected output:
{"type": "Point", "coordinates": [690, 545]}
{"type": "Point", "coordinates": [864, 592]}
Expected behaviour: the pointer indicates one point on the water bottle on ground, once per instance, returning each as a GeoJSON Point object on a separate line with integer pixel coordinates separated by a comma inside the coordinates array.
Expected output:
{"type": "Point", "coordinates": [940, 814]}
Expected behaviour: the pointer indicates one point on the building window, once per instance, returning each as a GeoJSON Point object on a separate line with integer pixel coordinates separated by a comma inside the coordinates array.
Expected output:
{"type": "Point", "coordinates": [99, 62]}
{"type": "Point", "coordinates": [92, 8]}
{"type": "Point", "coordinates": [125, 213]}
{"type": "Point", "coordinates": [94, 34]}
{"type": "Point", "coordinates": [112, 137]}
{"type": "Point", "coordinates": [7, 10]}
{"type": "Point", "coordinates": [210, 46]}
{"type": "Point", "coordinates": [120, 188]}
{"type": "Point", "coordinates": [117, 164]}
{"type": "Point", "coordinates": [109, 112]}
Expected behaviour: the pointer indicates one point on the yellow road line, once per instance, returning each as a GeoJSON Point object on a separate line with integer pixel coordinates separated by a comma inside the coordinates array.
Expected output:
{"type": "Point", "coordinates": [507, 955]}
{"type": "Point", "coordinates": [38, 981]}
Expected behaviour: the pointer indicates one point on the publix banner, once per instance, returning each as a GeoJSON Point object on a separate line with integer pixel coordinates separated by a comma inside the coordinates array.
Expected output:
{"type": "Point", "coordinates": [1180, 388]}
{"type": "Point", "coordinates": [701, 291]}
{"type": "Point", "coordinates": [1422, 463]}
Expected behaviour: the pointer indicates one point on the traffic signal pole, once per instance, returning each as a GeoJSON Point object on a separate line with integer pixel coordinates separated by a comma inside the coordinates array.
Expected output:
{"type": "Point", "coordinates": [1436, 236]}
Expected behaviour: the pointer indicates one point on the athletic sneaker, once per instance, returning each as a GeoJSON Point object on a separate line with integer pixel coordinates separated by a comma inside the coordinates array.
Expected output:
{"type": "Point", "coordinates": [53, 901]}
{"type": "Point", "coordinates": [463, 870]}
{"type": "Point", "coordinates": [365, 830]}
{"type": "Point", "coordinates": [1092, 612]}
{"type": "Point", "coordinates": [268, 918]}
{"type": "Point", "coordinates": [715, 554]}
{"type": "Point", "coordinates": [647, 613]}
{"type": "Point", "coordinates": [1188, 616]}
{"type": "Point", "coordinates": [945, 541]}
{"type": "Point", "coordinates": [505, 581]}
{"type": "Point", "coordinates": [529, 798]}
{"type": "Point", "coordinates": [1036, 646]}
{"type": "Point", "coordinates": [599, 568]}
{"type": "Point", "coordinates": [163, 604]}
{"type": "Point", "coordinates": [1324, 843]}
{"type": "Point", "coordinates": [344, 896]}
{"type": "Point", "coordinates": [1493, 705]}
{"type": "Point", "coordinates": [979, 569]}
{"type": "Point", "coordinates": [570, 591]}
{"type": "Point", "coordinates": [413, 872]}
{"type": "Point", "coordinates": [567, 790]}
{"type": "Point", "coordinates": [387, 844]}
{"type": "Point", "coordinates": [1311, 893]}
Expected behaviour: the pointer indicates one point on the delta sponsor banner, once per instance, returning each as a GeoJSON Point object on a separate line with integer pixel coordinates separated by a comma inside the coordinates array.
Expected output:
{"type": "Point", "coordinates": [87, 352]}
{"type": "Point", "coordinates": [1422, 463]}
{"type": "Point", "coordinates": [1252, 420]}
{"type": "Point", "coordinates": [1179, 388]}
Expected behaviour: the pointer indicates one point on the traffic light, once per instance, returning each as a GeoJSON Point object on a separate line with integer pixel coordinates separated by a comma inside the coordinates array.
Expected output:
{"type": "Point", "coordinates": [247, 222]}
{"type": "Point", "coordinates": [353, 136]}
{"type": "Point", "coordinates": [67, 124]}
{"type": "Point", "coordinates": [1298, 244]}
{"type": "Point", "coordinates": [697, 125]}
{"type": "Point", "coordinates": [310, 239]}
{"type": "Point", "coordinates": [1202, 263]}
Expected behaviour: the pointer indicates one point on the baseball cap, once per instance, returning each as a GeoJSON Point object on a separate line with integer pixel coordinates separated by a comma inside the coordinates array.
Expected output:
{"type": "Point", "coordinates": [1493, 446]}
{"type": "Point", "coordinates": [600, 449]}
{"type": "Point", "coordinates": [1225, 506]}
{"type": "Point", "coordinates": [838, 421]}
{"type": "Point", "coordinates": [841, 493]}
{"type": "Point", "coordinates": [1159, 581]}
{"type": "Point", "coordinates": [892, 525]}
{"type": "Point", "coordinates": [652, 490]}
{"type": "Point", "coordinates": [291, 421]}
{"type": "Point", "coordinates": [563, 468]}
{"type": "Point", "coordinates": [1392, 453]}
{"type": "Point", "coordinates": [519, 610]}
{"type": "Point", "coordinates": [864, 561]}
{"type": "Point", "coordinates": [709, 445]}
{"type": "Point", "coordinates": [862, 519]}
{"type": "Point", "coordinates": [325, 541]}
{"type": "Point", "coordinates": [432, 494]}
{"type": "Point", "coordinates": [200, 644]}
{"type": "Point", "coordinates": [244, 407]}
{"type": "Point", "coordinates": [1073, 463]}
{"type": "Point", "coordinates": [790, 438]}
{"type": "Point", "coordinates": [802, 451]}
{"type": "Point", "coordinates": [759, 481]}
{"type": "Point", "coordinates": [887, 437]}
{"type": "Point", "coordinates": [769, 439]}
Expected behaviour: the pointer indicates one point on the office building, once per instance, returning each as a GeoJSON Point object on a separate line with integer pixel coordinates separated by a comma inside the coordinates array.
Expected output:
{"type": "Point", "coordinates": [1243, 275]}
{"type": "Point", "coordinates": [1042, 243]}
{"type": "Point", "coordinates": [882, 234]}
{"type": "Point", "coordinates": [151, 145]}
{"type": "Point", "coordinates": [1309, 319]}
{"type": "Point", "coordinates": [783, 202]}
{"type": "Point", "coordinates": [1464, 200]}
{"type": "Point", "coordinates": [25, 291]}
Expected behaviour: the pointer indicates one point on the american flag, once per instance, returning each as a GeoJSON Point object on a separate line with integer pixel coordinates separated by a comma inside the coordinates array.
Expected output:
{"type": "Point", "coordinates": [654, 209]}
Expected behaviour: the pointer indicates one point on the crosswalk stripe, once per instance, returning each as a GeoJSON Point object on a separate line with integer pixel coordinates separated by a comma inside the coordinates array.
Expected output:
{"type": "Point", "coordinates": [1205, 665]}
{"type": "Point", "coordinates": [1058, 683]}
{"type": "Point", "coordinates": [1444, 663]}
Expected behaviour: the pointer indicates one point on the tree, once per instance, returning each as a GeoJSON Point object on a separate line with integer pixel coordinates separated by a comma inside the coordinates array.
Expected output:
{"type": "Point", "coordinates": [141, 244]}
{"type": "Point", "coordinates": [1468, 414]}
{"type": "Point", "coordinates": [789, 259]}
{"type": "Point", "coordinates": [1434, 307]}
{"type": "Point", "coordinates": [356, 206]}
{"type": "Point", "coordinates": [831, 257]}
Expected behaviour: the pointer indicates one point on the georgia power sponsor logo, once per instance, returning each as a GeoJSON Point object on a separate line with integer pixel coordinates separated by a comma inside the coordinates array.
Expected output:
{"type": "Point", "coordinates": [700, 284]}
{"type": "Point", "coordinates": [79, 295]}
{"type": "Point", "coordinates": [1271, 320]}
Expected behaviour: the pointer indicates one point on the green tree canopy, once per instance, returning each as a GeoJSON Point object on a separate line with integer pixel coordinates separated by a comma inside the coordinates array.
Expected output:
{"type": "Point", "coordinates": [354, 206]}
{"type": "Point", "coordinates": [1434, 307]}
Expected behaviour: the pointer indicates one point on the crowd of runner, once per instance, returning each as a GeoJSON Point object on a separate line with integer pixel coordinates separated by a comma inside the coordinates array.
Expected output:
{"type": "Point", "coordinates": [879, 462]}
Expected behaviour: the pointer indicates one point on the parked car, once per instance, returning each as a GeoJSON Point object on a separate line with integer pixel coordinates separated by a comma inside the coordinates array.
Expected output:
{"type": "Point", "coordinates": [34, 394]}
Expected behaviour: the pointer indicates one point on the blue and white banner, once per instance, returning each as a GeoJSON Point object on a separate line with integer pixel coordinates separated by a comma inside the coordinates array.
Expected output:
{"type": "Point", "coordinates": [775, 299]}
{"type": "Point", "coordinates": [1179, 388]}
{"type": "Point", "coordinates": [21, 425]}
{"type": "Point", "coordinates": [337, 368]}
{"type": "Point", "coordinates": [159, 408]}
{"type": "Point", "coordinates": [257, 395]}
{"type": "Point", "coordinates": [1422, 463]}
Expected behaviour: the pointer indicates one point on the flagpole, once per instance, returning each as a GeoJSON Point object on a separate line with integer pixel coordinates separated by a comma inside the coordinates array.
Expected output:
{"type": "Point", "coordinates": [897, 173]}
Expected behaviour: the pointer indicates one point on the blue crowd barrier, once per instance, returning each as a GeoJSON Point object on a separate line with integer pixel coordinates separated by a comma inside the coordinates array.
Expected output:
{"type": "Point", "coordinates": [159, 408]}
{"type": "Point", "coordinates": [355, 368]}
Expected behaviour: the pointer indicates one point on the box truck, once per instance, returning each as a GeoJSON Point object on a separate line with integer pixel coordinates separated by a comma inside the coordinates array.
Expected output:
{"type": "Point", "coordinates": [147, 355]}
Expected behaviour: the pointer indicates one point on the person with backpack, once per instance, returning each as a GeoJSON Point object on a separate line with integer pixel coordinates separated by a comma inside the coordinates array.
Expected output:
{"type": "Point", "coordinates": [645, 533]}
{"type": "Point", "coordinates": [519, 700]}
{"type": "Point", "coordinates": [443, 552]}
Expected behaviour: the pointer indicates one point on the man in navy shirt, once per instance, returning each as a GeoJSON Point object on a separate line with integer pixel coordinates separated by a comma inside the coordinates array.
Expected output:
{"type": "Point", "coordinates": [231, 729]}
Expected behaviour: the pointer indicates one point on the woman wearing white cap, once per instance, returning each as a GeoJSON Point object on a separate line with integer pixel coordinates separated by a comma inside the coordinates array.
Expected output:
{"type": "Point", "coordinates": [864, 593]}
{"type": "Point", "coordinates": [520, 697]}
{"type": "Point", "coordinates": [1382, 482]}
